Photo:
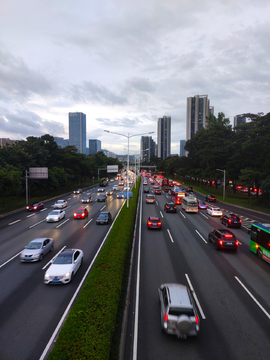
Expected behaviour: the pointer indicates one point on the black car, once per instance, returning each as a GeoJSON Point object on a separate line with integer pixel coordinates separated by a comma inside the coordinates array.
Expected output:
{"type": "Point", "coordinates": [104, 217]}
{"type": "Point", "coordinates": [231, 220]}
{"type": "Point", "coordinates": [190, 189]}
{"type": "Point", "coordinates": [223, 239]}
{"type": "Point", "coordinates": [210, 198]}
{"type": "Point", "coordinates": [102, 197]}
{"type": "Point", "coordinates": [86, 199]}
{"type": "Point", "coordinates": [170, 207]}
{"type": "Point", "coordinates": [146, 190]}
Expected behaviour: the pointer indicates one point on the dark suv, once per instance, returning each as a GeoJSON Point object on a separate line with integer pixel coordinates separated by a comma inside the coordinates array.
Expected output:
{"type": "Point", "coordinates": [210, 198]}
{"type": "Point", "coordinates": [189, 189]}
{"type": "Point", "coordinates": [223, 239]}
{"type": "Point", "coordinates": [104, 217]}
{"type": "Point", "coordinates": [231, 220]}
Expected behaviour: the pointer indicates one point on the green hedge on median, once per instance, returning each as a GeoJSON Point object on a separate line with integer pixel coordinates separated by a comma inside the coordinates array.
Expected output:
{"type": "Point", "coordinates": [89, 328]}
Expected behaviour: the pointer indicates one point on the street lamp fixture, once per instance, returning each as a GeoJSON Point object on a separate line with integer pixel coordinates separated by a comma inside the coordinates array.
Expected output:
{"type": "Point", "coordinates": [224, 171]}
{"type": "Point", "coordinates": [128, 137]}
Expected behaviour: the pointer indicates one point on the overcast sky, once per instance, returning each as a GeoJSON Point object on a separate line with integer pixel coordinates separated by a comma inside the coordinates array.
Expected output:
{"type": "Point", "coordinates": [126, 63]}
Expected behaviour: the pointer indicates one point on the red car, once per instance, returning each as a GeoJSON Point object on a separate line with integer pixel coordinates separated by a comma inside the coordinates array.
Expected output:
{"type": "Point", "coordinates": [158, 192]}
{"type": "Point", "coordinates": [35, 206]}
{"type": "Point", "coordinates": [81, 213]}
{"type": "Point", "coordinates": [154, 223]}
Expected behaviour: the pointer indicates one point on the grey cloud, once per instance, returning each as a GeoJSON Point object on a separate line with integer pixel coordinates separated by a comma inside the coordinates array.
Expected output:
{"type": "Point", "coordinates": [120, 123]}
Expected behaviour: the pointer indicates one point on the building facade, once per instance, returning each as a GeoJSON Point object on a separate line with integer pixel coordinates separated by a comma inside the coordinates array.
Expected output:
{"type": "Point", "coordinates": [94, 146]}
{"type": "Point", "coordinates": [6, 141]}
{"type": "Point", "coordinates": [182, 148]}
{"type": "Point", "coordinates": [198, 109]}
{"type": "Point", "coordinates": [77, 131]}
{"type": "Point", "coordinates": [164, 137]}
{"type": "Point", "coordinates": [238, 120]}
{"type": "Point", "coordinates": [148, 148]}
{"type": "Point", "coordinates": [61, 142]}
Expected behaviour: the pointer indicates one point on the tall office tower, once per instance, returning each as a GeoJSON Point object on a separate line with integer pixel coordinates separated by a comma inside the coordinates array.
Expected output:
{"type": "Point", "coordinates": [61, 142]}
{"type": "Point", "coordinates": [182, 148]}
{"type": "Point", "coordinates": [164, 137]}
{"type": "Point", "coordinates": [148, 147]}
{"type": "Point", "coordinates": [94, 146]}
{"type": "Point", "coordinates": [77, 131]}
{"type": "Point", "coordinates": [198, 108]}
{"type": "Point", "coordinates": [237, 120]}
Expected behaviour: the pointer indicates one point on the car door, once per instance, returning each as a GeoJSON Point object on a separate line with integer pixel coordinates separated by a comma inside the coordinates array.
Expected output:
{"type": "Point", "coordinates": [76, 261]}
{"type": "Point", "coordinates": [46, 246]}
{"type": "Point", "coordinates": [215, 237]}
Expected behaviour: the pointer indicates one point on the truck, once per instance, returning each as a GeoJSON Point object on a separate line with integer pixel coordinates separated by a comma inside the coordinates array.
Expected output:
{"type": "Point", "coordinates": [165, 185]}
{"type": "Point", "coordinates": [103, 182]}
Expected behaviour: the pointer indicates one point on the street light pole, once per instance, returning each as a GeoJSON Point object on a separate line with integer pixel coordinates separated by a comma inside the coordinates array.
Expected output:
{"type": "Point", "coordinates": [224, 171]}
{"type": "Point", "coordinates": [128, 137]}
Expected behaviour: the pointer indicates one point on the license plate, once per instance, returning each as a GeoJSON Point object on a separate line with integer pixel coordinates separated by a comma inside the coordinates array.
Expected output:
{"type": "Point", "coordinates": [229, 243]}
{"type": "Point", "coordinates": [27, 258]}
{"type": "Point", "coordinates": [55, 281]}
{"type": "Point", "coordinates": [235, 222]}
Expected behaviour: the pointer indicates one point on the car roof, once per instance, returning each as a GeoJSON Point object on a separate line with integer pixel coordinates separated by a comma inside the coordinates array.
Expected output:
{"type": "Point", "coordinates": [178, 296]}
{"type": "Point", "coordinates": [224, 231]}
{"type": "Point", "coordinates": [104, 212]}
{"type": "Point", "coordinates": [39, 239]}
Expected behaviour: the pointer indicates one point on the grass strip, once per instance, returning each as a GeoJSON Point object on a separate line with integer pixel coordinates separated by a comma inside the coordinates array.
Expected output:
{"type": "Point", "coordinates": [90, 325]}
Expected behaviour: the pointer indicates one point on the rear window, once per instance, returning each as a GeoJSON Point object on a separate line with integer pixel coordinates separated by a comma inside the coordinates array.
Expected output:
{"type": "Point", "coordinates": [181, 311]}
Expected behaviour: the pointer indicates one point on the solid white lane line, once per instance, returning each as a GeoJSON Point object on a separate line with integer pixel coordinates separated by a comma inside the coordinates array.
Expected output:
{"type": "Point", "coordinates": [201, 236]}
{"type": "Point", "coordinates": [13, 257]}
{"type": "Point", "coordinates": [161, 214]}
{"type": "Point", "coordinates": [182, 214]}
{"type": "Point", "coordinates": [253, 298]}
{"type": "Point", "coordinates": [87, 223]}
{"type": "Point", "coordinates": [170, 235]}
{"type": "Point", "coordinates": [14, 222]}
{"type": "Point", "coordinates": [195, 297]}
{"type": "Point", "coordinates": [62, 223]}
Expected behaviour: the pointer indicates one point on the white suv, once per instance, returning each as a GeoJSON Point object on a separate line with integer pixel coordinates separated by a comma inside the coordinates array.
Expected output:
{"type": "Point", "coordinates": [178, 312]}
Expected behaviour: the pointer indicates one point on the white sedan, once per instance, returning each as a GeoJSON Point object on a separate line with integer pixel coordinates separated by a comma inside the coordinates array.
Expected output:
{"type": "Point", "coordinates": [64, 267]}
{"type": "Point", "coordinates": [55, 215]}
{"type": "Point", "coordinates": [214, 211]}
{"type": "Point", "coordinates": [101, 189]}
{"type": "Point", "coordinates": [60, 204]}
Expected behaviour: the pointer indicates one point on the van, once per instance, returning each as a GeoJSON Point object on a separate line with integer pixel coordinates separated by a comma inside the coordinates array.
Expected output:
{"type": "Point", "coordinates": [189, 204]}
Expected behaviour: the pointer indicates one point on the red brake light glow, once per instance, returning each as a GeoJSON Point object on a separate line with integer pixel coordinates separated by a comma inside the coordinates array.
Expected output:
{"type": "Point", "coordinates": [220, 242]}
{"type": "Point", "coordinates": [236, 243]}
{"type": "Point", "coordinates": [166, 317]}
{"type": "Point", "coordinates": [197, 319]}
{"type": "Point", "coordinates": [228, 236]}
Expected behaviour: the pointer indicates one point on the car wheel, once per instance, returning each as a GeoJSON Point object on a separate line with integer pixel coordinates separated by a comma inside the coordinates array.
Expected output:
{"type": "Point", "coordinates": [260, 253]}
{"type": "Point", "coordinates": [81, 262]}
{"type": "Point", "coordinates": [40, 257]}
{"type": "Point", "coordinates": [217, 247]}
{"type": "Point", "coordinates": [51, 248]}
{"type": "Point", "coordinates": [71, 278]}
{"type": "Point", "coordinates": [64, 216]}
{"type": "Point", "coordinates": [227, 225]}
{"type": "Point", "coordinates": [59, 219]}
{"type": "Point", "coordinates": [209, 239]}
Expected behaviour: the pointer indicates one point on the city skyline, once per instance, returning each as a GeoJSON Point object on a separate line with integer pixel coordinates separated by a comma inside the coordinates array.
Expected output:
{"type": "Point", "coordinates": [124, 69]}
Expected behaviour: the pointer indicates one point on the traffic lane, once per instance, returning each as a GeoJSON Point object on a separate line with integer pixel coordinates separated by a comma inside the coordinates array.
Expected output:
{"type": "Point", "coordinates": [216, 295]}
{"type": "Point", "coordinates": [163, 261]}
{"type": "Point", "coordinates": [228, 263]}
{"type": "Point", "coordinates": [32, 296]}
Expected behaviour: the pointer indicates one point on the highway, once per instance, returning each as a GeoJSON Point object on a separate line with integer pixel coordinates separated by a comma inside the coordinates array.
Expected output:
{"type": "Point", "coordinates": [30, 310]}
{"type": "Point", "coordinates": [232, 290]}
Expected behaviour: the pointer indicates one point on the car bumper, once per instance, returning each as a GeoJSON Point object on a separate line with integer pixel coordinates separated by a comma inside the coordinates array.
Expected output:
{"type": "Point", "coordinates": [57, 280]}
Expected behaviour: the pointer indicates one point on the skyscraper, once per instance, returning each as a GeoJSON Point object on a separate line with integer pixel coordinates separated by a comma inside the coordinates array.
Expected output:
{"type": "Point", "coordinates": [164, 137]}
{"type": "Point", "coordinates": [77, 131]}
{"type": "Point", "coordinates": [182, 148]}
{"type": "Point", "coordinates": [237, 120]}
{"type": "Point", "coordinates": [94, 146]}
{"type": "Point", "coordinates": [198, 108]}
{"type": "Point", "coordinates": [148, 147]}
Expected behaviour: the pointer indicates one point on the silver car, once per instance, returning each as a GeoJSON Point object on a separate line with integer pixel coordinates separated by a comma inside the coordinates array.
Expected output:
{"type": "Point", "coordinates": [36, 249]}
{"type": "Point", "coordinates": [177, 310]}
{"type": "Point", "coordinates": [59, 204]}
{"type": "Point", "coordinates": [55, 215]}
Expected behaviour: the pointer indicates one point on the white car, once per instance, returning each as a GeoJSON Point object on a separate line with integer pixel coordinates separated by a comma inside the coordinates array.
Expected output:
{"type": "Point", "coordinates": [214, 210]}
{"type": "Point", "coordinates": [115, 187]}
{"type": "Point", "coordinates": [64, 267]}
{"type": "Point", "coordinates": [101, 189]}
{"type": "Point", "coordinates": [55, 215]}
{"type": "Point", "coordinates": [78, 191]}
{"type": "Point", "coordinates": [60, 204]}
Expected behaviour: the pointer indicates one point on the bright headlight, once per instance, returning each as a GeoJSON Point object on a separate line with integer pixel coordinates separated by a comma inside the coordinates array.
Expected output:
{"type": "Point", "coordinates": [47, 276]}
{"type": "Point", "coordinates": [66, 275]}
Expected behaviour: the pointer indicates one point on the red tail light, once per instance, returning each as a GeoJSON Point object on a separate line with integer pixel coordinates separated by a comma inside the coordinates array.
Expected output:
{"type": "Point", "coordinates": [236, 243]}
{"type": "Point", "coordinates": [240, 220]}
{"type": "Point", "coordinates": [149, 223]}
{"type": "Point", "coordinates": [230, 220]}
{"type": "Point", "coordinates": [197, 319]}
{"type": "Point", "coordinates": [228, 236]}
{"type": "Point", "coordinates": [166, 317]}
{"type": "Point", "coordinates": [159, 223]}
{"type": "Point", "coordinates": [220, 242]}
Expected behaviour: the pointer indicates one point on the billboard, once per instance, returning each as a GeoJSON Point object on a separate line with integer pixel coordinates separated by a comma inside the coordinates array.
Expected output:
{"type": "Point", "coordinates": [112, 168]}
{"type": "Point", "coordinates": [38, 173]}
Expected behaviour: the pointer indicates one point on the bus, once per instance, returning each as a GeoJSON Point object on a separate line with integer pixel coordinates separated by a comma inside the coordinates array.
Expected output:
{"type": "Point", "coordinates": [260, 240]}
{"type": "Point", "coordinates": [177, 195]}
{"type": "Point", "coordinates": [189, 204]}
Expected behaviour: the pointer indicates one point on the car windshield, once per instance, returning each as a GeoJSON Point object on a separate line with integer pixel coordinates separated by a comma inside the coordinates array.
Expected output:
{"type": "Point", "coordinates": [34, 245]}
{"type": "Point", "coordinates": [85, 198]}
{"type": "Point", "coordinates": [59, 201]}
{"type": "Point", "coordinates": [34, 204]}
{"type": "Point", "coordinates": [181, 311]}
{"type": "Point", "coordinates": [55, 212]}
{"type": "Point", "coordinates": [63, 259]}
{"type": "Point", "coordinates": [150, 197]}
{"type": "Point", "coordinates": [80, 211]}
{"type": "Point", "coordinates": [103, 216]}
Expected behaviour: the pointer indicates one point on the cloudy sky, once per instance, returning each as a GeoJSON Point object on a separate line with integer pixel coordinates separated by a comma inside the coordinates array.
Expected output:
{"type": "Point", "coordinates": [126, 63]}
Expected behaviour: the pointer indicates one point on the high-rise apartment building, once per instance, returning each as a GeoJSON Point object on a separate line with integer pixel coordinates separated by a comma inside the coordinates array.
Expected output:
{"type": "Point", "coordinates": [164, 137]}
{"type": "Point", "coordinates": [77, 131]}
{"type": "Point", "coordinates": [148, 147]}
{"type": "Point", "coordinates": [182, 148]}
{"type": "Point", "coordinates": [198, 109]}
{"type": "Point", "coordinates": [94, 146]}
{"type": "Point", "coordinates": [237, 120]}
